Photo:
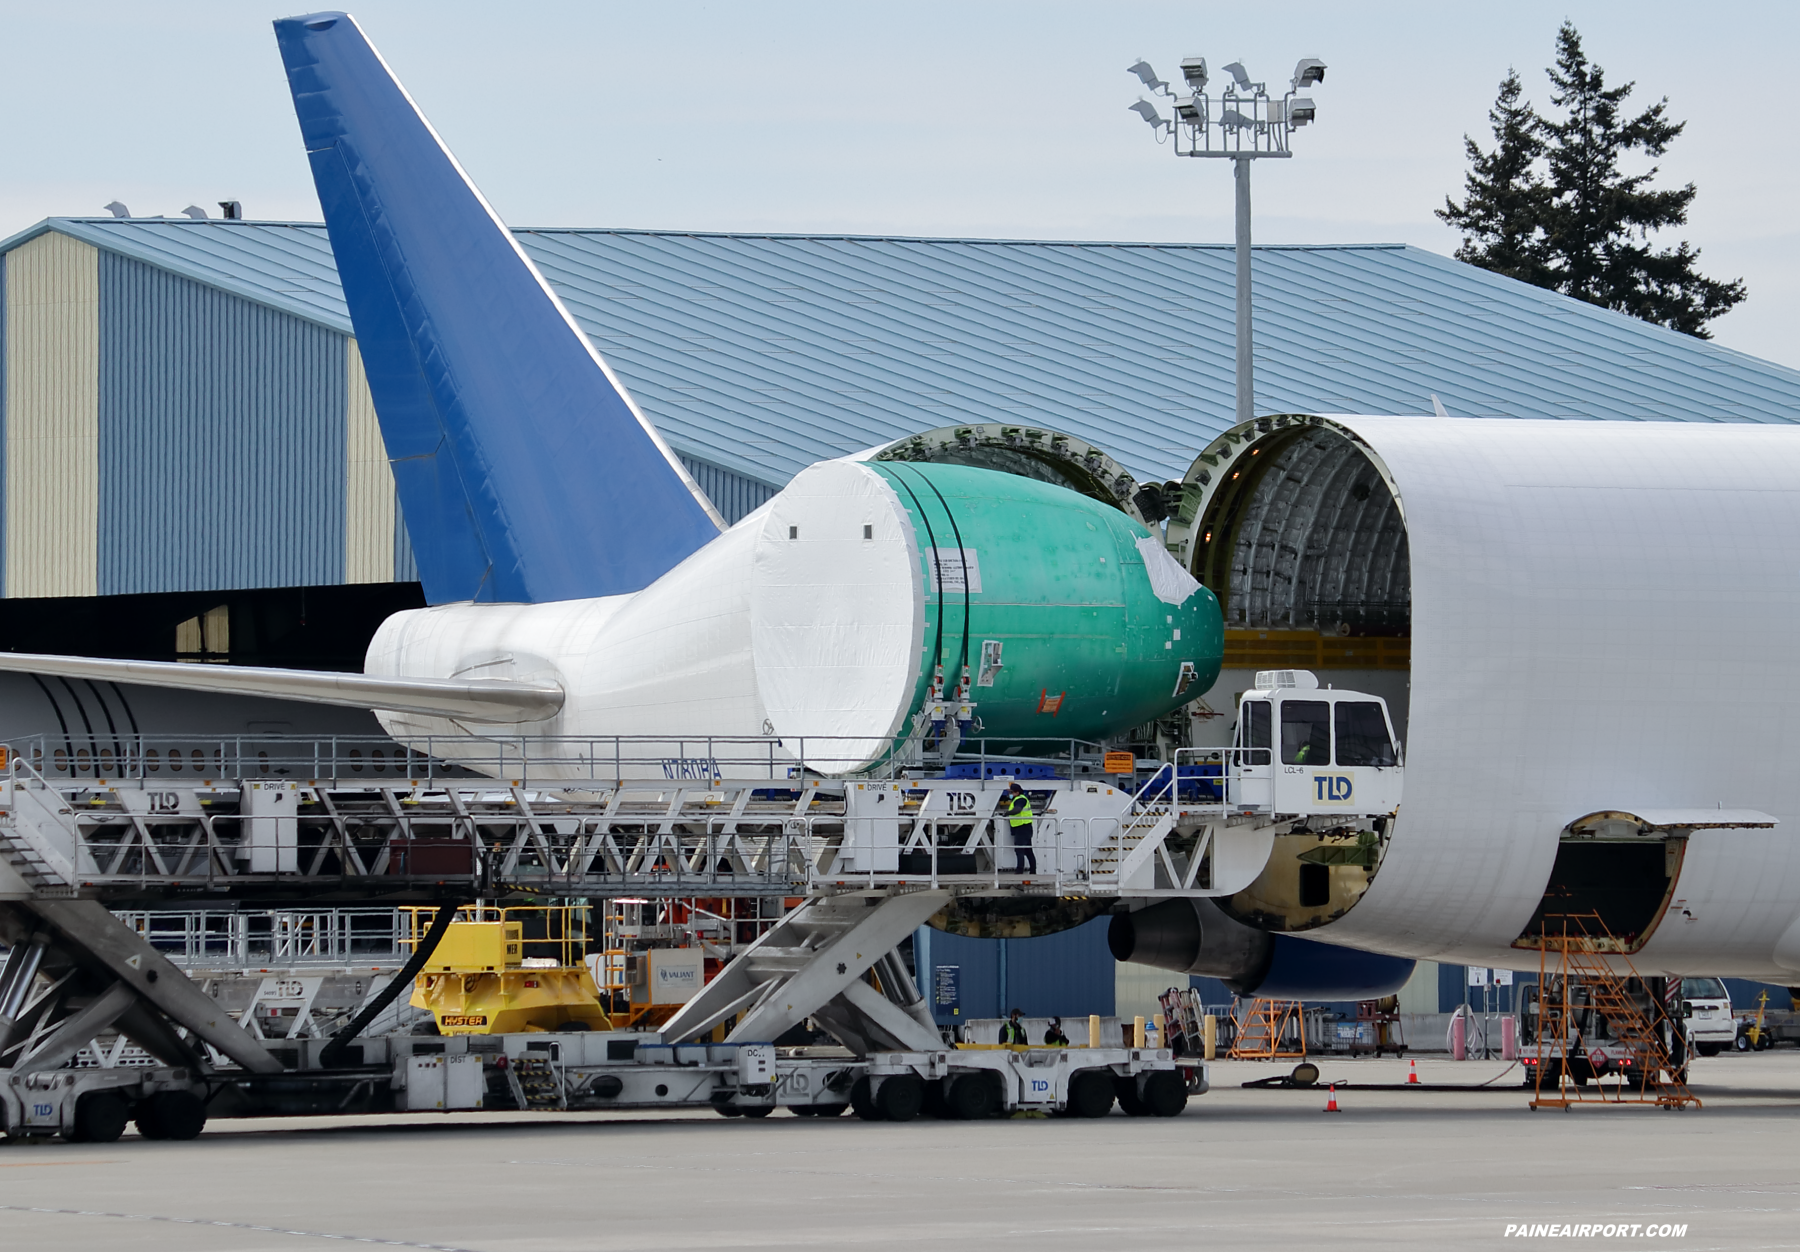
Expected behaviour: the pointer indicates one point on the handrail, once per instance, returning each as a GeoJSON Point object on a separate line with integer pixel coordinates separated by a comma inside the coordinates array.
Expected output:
{"type": "Point", "coordinates": [522, 759]}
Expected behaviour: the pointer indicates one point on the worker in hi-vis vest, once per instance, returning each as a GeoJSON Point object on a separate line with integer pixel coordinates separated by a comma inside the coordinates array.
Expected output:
{"type": "Point", "coordinates": [1018, 813]}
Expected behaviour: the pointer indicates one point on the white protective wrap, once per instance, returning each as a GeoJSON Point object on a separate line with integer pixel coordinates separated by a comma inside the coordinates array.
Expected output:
{"type": "Point", "coordinates": [1168, 581]}
{"type": "Point", "coordinates": [837, 612]}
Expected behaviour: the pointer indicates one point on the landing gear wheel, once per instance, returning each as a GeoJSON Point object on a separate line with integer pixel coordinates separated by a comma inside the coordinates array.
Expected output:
{"type": "Point", "coordinates": [1090, 1094]}
{"type": "Point", "coordinates": [900, 1097]}
{"type": "Point", "coordinates": [1165, 1094]}
{"type": "Point", "coordinates": [1126, 1090]}
{"type": "Point", "coordinates": [863, 1101]}
{"type": "Point", "coordinates": [99, 1118]}
{"type": "Point", "coordinates": [972, 1097]}
{"type": "Point", "coordinates": [171, 1115]}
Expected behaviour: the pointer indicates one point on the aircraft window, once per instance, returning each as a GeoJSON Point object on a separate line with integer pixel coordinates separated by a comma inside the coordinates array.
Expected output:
{"type": "Point", "coordinates": [175, 759]}
{"type": "Point", "coordinates": [1703, 989]}
{"type": "Point", "coordinates": [199, 760]}
{"type": "Point", "coordinates": [1253, 731]}
{"type": "Point", "coordinates": [153, 759]}
{"type": "Point", "coordinates": [1362, 736]}
{"type": "Point", "coordinates": [1305, 732]}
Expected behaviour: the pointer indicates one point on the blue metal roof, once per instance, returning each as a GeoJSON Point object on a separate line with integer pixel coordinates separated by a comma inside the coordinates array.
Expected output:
{"type": "Point", "coordinates": [763, 353]}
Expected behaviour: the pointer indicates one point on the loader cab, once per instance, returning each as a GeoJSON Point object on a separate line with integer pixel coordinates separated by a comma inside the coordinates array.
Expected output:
{"type": "Point", "coordinates": [1303, 750]}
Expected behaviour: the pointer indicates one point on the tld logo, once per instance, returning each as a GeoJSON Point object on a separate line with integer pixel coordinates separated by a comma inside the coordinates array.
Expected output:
{"type": "Point", "coordinates": [1038, 1084]}
{"type": "Point", "coordinates": [1331, 788]}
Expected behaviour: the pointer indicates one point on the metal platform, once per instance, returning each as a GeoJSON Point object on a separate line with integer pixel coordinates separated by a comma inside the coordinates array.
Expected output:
{"type": "Point", "coordinates": [150, 836]}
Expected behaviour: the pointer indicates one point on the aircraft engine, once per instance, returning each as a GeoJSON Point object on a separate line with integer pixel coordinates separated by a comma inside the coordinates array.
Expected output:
{"type": "Point", "coordinates": [1194, 936]}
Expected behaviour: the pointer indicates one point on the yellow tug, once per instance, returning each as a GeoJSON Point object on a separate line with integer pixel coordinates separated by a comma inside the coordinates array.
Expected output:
{"type": "Point", "coordinates": [488, 976]}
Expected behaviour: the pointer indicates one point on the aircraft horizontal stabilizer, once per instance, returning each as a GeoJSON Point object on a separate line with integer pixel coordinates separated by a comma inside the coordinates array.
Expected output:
{"type": "Point", "coordinates": [486, 700]}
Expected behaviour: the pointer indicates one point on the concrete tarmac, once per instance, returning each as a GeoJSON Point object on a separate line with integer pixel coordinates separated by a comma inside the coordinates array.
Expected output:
{"type": "Point", "coordinates": [1240, 1169]}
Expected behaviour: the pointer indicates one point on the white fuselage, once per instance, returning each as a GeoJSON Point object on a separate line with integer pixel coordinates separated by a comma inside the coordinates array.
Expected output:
{"type": "Point", "coordinates": [1603, 617]}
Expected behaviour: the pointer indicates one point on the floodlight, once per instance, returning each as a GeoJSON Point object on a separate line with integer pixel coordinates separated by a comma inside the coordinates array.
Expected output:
{"type": "Point", "coordinates": [1232, 119]}
{"type": "Point", "coordinates": [1147, 76]}
{"type": "Point", "coordinates": [1147, 111]}
{"type": "Point", "coordinates": [1190, 111]}
{"type": "Point", "coordinates": [1194, 70]}
{"type": "Point", "coordinates": [1300, 110]}
{"type": "Point", "coordinates": [1237, 71]}
{"type": "Point", "coordinates": [1310, 70]}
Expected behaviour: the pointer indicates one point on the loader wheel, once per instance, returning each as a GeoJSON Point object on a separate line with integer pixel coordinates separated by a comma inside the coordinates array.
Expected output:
{"type": "Point", "coordinates": [1125, 1088]}
{"type": "Point", "coordinates": [863, 1100]}
{"type": "Point", "coordinates": [900, 1098]}
{"type": "Point", "coordinates": [171, 1115]}
{"type": "Point", "coordinates": [1164, 1093]}
{"type": "Point", "coordinates": [759, 1110]}
{"type": "Point", "coordinates": [1090, 1094]}
{"type": "Point", "coordinates": [972, 1097]}
{"type": "Point", "coordinates": [99, 1118]}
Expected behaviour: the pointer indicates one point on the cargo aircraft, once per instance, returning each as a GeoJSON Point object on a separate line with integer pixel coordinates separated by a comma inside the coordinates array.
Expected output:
{"type": "Point", "coordinates": [1600, 614]}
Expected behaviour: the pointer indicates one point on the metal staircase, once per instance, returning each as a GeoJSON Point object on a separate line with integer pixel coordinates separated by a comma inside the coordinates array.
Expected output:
{"type": "Point", "coordinates": [832, 960]}
{"type": "Point", "coordinates": [1584, 952]}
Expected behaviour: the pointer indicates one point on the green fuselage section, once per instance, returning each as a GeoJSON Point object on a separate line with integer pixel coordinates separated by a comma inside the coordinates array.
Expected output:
{"type": "Point", "coordinates": [1054, 586]}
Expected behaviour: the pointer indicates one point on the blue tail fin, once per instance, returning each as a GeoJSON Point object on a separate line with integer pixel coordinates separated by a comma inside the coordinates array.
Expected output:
{"type": "Point", "coordinates": [525, 473]}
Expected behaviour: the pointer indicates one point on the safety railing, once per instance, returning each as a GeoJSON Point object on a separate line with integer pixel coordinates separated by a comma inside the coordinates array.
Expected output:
{"type": "Point", "coordinates": [150, 761]}
{"type": "Point", "coordinates": [272, 937]}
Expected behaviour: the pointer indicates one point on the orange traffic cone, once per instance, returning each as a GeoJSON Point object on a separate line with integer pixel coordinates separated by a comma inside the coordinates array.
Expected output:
{"type": "Point", "coordinates": [1412, 1073]}
{"type": "Point", "coordinates": [1332, 1106]}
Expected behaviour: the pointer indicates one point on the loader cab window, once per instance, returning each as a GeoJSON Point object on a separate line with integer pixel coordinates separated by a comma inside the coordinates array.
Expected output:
{"type": "Point", "coordinates": [1305, 732]}
{"type": "Point", "coordinates": [1253, 731]}
{"type": "Point", "coordinates": [1362, 734]}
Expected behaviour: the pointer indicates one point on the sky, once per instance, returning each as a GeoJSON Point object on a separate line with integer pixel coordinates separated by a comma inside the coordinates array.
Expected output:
{"type": "Point", "coordinates": [994, 120]}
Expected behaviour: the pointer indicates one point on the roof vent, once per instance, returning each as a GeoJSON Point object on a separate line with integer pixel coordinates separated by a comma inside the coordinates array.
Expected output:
{"type": "Point", "coordinates": [118, 210]}
{"type": "Point", "coordinates": [194, 211]}
{"type": "Point", "coordinates": [231, 210]}
{"type": "Point", "coordinates": [1298, 679]}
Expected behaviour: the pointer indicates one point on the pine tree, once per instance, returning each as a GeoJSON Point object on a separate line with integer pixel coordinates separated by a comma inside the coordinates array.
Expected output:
{"type": "Point", "coordinates": [1505, 197]}
{"type": "Point", "coordinates": [1600, 221]}
{"type": "Point", "coordinates": [1550, 205]}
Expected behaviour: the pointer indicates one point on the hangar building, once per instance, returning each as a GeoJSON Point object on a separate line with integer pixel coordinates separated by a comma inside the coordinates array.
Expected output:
{"type": "Point", "coordinates": [192, 466]}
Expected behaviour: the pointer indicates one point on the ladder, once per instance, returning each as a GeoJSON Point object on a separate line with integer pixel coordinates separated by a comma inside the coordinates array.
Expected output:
{"type": "Point", "coordinates": [1583, 953]}
{"type": "Point", "coordinates": [1181, 1012]}
{"type": "Point", "coordinates": [1270, 1030]}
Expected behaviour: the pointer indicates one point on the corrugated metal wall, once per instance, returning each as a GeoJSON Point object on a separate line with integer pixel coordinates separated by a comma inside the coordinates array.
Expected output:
{"type": "Point", "coordinates": [369, 502]}
{"type": "Point", "coordinates": [222, 439]}
{"type": "Point", "coordinates": [732, 494]}
{"type": "Point", "coordinates": [52, 427]}
{"type": "Point", "coordinates": [1069, 974]}
{"type": "Point", "coordinates": [162, 434]}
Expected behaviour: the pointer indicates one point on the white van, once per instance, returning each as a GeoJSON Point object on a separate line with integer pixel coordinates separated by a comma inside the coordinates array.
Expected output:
{"type": "Point", "coordinates": [1706, 1008]}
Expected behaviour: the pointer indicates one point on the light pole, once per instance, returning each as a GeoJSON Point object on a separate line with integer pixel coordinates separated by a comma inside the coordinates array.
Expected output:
{"type": "Point", "coordinates": [1249, 124]}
